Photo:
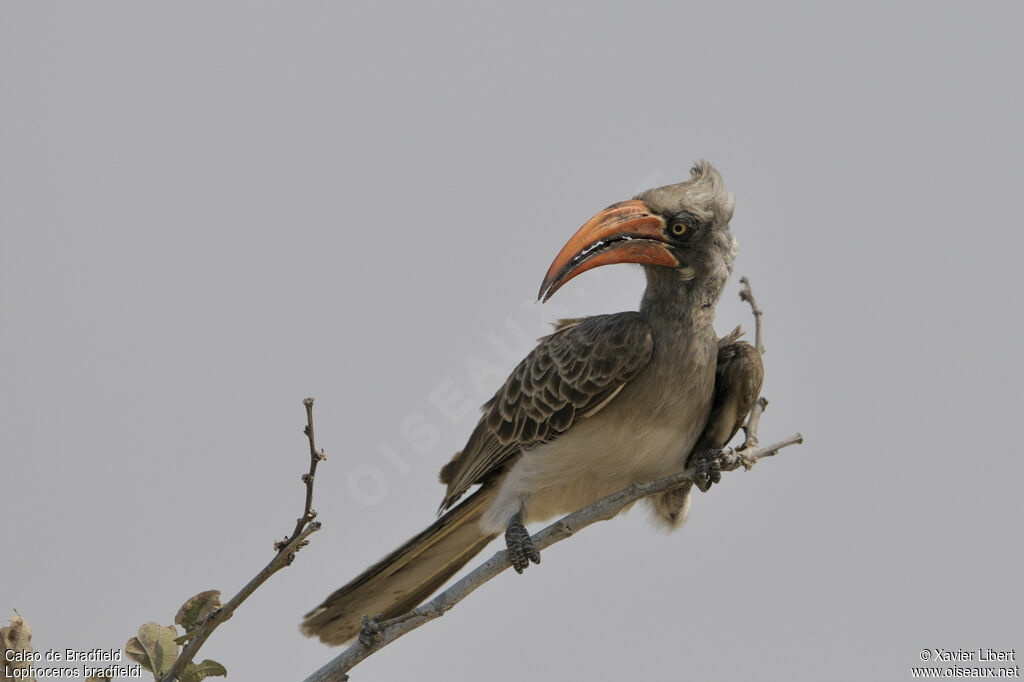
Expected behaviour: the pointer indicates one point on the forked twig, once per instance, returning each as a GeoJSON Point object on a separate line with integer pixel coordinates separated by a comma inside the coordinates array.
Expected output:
{"type": "Point", "coordinates": [747, 294]}
{"type": "Point", "coordinates": [286, 549]}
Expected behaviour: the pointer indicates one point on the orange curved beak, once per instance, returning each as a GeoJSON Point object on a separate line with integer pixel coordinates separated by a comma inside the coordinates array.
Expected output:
{"type": "Point", "coordinates": [626, 232]}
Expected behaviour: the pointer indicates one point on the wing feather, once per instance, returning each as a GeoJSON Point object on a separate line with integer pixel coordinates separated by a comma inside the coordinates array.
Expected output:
{"type": "Point", "coordinates": [738, 378]}
{"type": "Point", "coordinates": [569, 376]}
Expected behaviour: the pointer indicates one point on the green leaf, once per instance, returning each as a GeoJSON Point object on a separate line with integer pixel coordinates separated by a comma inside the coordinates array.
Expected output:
{"type": "Point", "coordinates": [197, 609]}
{"type": "Point", "coordinates": [137, 653]}
{"type": "Point", "coordinates": [154, 649]}
{"type": "Point", "coordinates": [194, 672]}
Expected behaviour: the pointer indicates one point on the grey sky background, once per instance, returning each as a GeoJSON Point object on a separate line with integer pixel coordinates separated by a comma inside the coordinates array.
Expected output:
{"type": "Point", "coordinates": [212, 210]}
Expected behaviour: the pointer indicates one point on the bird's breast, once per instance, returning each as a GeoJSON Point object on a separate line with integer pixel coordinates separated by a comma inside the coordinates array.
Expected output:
{"type": "Point", "coordinates": [644, 433]}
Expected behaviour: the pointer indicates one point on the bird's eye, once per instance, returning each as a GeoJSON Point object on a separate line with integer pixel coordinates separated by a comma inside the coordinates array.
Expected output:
{"type": "Point", "coordinates": [679, 228]}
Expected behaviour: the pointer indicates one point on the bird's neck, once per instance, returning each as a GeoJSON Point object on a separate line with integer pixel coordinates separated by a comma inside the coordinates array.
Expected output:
{"type": "Point", "coordinates": [674, 305]}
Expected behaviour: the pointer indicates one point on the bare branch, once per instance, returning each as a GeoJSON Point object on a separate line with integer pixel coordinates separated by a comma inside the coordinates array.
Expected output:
{"type": "Point", "coordinates": [286, 549]}
{"type": "Point", "coordinates": [747, 294]}
{"type": "Point", "coordinates": [376, 635]}
{"type": "Point", "coordinates": [750, 428]}
{"type": "Point", "coordinates": [315, 457]}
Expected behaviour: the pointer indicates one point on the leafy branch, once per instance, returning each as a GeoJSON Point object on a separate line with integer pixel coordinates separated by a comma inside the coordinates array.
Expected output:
{"type": "Point", "coordinates": [156, 647]}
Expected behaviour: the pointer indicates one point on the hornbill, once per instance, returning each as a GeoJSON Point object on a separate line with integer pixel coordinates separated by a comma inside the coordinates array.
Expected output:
{"type": "Point", "coordinates": [600, 404]}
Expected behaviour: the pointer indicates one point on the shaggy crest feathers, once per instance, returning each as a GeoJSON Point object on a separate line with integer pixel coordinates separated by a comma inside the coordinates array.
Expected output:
{"type": "Point", "coordinates": [704, 195]}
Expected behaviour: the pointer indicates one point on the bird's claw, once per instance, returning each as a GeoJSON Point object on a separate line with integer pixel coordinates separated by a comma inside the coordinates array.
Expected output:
{"type": "Point", "coordinates": [372, 630]}
{"type": "Point", "coordinates": [709, 469]}
{"type": "Point", "coordinates": [520, 546]}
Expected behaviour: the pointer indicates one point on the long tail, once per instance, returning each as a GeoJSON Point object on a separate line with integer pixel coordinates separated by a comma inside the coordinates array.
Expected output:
{"type": "Point", "coordinates": [403, 579]}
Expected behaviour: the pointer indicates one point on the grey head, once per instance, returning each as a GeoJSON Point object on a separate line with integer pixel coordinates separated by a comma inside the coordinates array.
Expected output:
{"type": "Point", "coordinates": [679, 233]}
{"type": "Point", "coordinates": [697, 214]}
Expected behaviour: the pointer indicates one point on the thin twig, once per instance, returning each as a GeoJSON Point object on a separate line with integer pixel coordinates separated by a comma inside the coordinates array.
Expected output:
{"type": "Point", "coordinates": [286, 549]}
{"type": "Point", "coordinates": [282, 559]}
{"type": "Point", "coordinates": [747, 294]}
{"type": "Point", "coordinates": [385, 632]}
{"type": "Point", "coordinates": [750, 428]}
{"type": "Point", "coordinates": [315, 457]}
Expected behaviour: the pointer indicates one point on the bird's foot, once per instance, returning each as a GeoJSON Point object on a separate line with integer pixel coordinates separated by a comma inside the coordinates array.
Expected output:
{"type": "Point", "coordinates": [372, 630]}
{"type": "Point", "coordinates": [709, 468]}
{"type": "Point", "coordinates": [520, 546]}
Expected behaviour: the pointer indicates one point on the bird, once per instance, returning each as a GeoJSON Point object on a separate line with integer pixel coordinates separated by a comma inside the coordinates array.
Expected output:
{"type": "Point", "coordinates": [601, 403]}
